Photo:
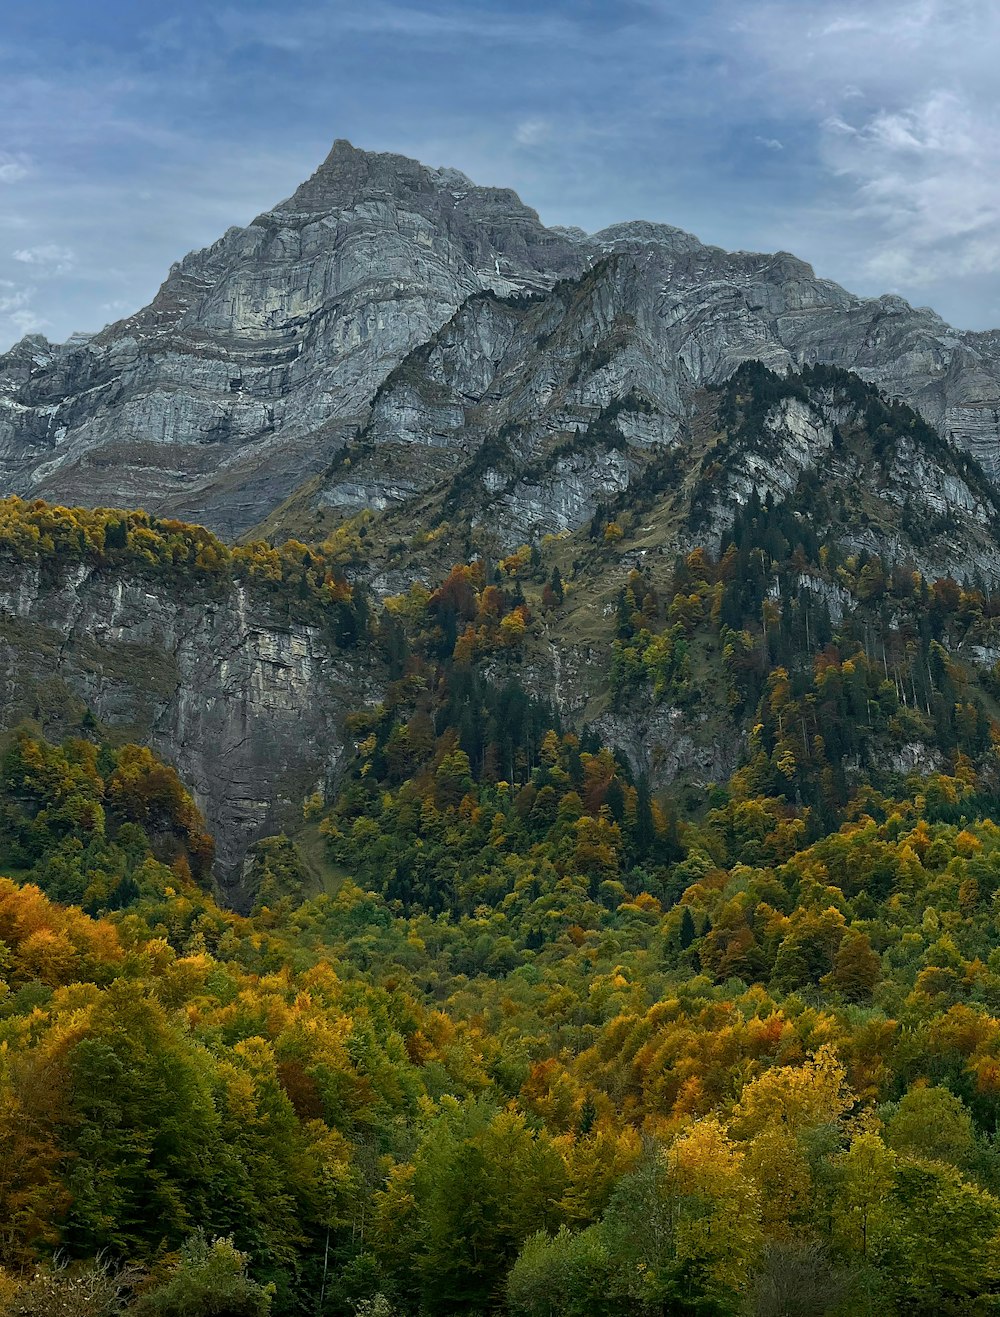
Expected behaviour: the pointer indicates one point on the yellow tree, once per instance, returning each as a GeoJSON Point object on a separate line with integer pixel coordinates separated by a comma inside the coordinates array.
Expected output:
{"type": "Point", "coordinates": [795, 1097]}
{"type": "Point", "coordinates": [718, 1225]}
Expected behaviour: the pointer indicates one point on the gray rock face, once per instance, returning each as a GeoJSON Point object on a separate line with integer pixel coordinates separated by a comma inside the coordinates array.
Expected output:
{"type": "Point", "coordinates": [262, 355]}
{"type": "Point", "coordinates": [659, 742]}
{"type": "Point", "coordinates": [923, 506]}
{"type": "Point", "coordinates": [519, 395]}
{"type": "Point", "coordinates": [259, 355]}
{"type": "Point", "coordinates": [247, 705]}
{"type": "Point", "coordinates": [540, 412]}
{"type": "Point", "coordinates": [657, 318]}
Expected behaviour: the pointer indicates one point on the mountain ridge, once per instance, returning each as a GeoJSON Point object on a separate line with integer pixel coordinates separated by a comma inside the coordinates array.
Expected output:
{"type": "Point", "coordinates": [262, 355]}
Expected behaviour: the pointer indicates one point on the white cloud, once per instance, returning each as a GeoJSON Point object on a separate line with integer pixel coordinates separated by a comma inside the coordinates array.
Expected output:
{"type": "Point", "coordinates": [12, 168]}
{"type": "Point", "coordinates": [532, 132]}
{"type": "Point", "coordinates": [13, 301]}
{"type": "Point", "coordinates": [27, 322]}
{"type": "Point", "coordinates": [48, 257]}
{"type": "Point", "coordinates": [18, 314]}
{"type": "Point", "coordinates": [902, 102]}
{"type": "Point", "coordinates": [929, 178]}
{"type": "Point", "coordinates": [294, 29]}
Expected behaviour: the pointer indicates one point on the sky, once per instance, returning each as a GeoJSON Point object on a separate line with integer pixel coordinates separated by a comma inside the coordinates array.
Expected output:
{"type": "Point", "coordinates": [862, 135]}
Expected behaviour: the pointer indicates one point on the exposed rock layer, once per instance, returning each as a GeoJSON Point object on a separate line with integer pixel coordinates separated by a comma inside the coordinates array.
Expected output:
{"type": "Point", "coordinates": [260, 354]}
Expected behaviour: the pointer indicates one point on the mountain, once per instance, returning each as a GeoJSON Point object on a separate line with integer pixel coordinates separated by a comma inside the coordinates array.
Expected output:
{"type": "Point", "coordinates": [552, 864]}
{"type": "Point", "coordinates": [411, 374]}
{"type": "Point", "coordinates": [407, 308]}
{"type": "Point", "coordinates": [260, 354]}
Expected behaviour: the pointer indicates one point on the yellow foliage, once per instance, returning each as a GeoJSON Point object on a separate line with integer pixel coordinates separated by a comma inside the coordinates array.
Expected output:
{"type": "Point", "coordinates": [795, 1097]}
{"type": "Point", "coordinates": [718, 1229]}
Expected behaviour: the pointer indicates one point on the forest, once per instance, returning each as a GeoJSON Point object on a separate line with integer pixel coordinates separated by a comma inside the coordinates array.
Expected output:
{"type": "Point", "coordinates": [552, 1043]}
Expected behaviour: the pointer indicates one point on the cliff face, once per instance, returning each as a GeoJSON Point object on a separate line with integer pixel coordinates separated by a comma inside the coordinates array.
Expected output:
{"type": "Point", "coordinates": [528, 393]}
{"type": "Point", "coordinates": [246, 704]}
{"type": "Point", "coordinates": [263, 355]}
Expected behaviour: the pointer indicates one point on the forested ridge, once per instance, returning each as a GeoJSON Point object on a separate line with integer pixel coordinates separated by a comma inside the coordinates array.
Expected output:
{"type": "Point", "coordinates": [539, 1040]}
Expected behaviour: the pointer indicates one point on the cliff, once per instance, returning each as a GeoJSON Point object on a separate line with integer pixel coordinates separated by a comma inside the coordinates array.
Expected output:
{"type": "Point", "coordinates": [245, 701]}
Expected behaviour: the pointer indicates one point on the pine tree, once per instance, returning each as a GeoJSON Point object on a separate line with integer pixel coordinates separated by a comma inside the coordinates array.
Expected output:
{"type": "Point", "coordinates": [688, 932]}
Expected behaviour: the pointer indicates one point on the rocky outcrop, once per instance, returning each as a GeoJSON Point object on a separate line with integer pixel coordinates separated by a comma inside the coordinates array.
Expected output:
{"type": "Point", "coordinates": [247, 704]}
{"type": "Point", "coordinates": [663, 744]}
{"type": "Point", "coordinates": [906, 496]}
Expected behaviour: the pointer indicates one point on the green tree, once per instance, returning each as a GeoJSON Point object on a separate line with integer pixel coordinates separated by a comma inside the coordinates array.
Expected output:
{"type": "Point", "coordinates": [146, 1131]}
{"type": "Point", "coordinates": [566, 1275]}
{"type": "Point", "coordinates": [482, 1181]}
{"type": "Point", "coordinates": [856, 967]}
{"type": "Point", "coordinates": [939, 1250]}
{"type": "Point", "coordinates": [933, 1123]}
{"type": "Point", "coordinates": [209, 1280]}
{"type": "Point", "coordinates": [865, 1176]}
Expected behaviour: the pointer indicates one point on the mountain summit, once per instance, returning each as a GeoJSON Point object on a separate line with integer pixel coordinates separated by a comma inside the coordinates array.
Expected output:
{"type": "Point", "coordinates": [263, 356]}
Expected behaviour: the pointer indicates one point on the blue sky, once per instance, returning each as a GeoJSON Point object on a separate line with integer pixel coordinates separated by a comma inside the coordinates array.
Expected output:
{"type": "Point", "coordinates": [864, 135]}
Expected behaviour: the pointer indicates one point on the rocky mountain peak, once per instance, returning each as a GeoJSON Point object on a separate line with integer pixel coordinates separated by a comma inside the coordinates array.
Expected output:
{"type": "Point", "coordinates": [262, 356]}
{"type": "Point", "coordinates": [642, 233]}
{"type": "Point", "coordinates": [350, 175]}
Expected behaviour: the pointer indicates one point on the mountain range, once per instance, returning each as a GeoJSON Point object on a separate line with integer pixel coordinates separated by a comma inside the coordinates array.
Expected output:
{"type": "Point", "coordinates": [430, 319]}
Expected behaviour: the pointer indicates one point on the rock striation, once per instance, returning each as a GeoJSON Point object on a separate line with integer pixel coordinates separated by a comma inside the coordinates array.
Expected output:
{"type": "Point", "coordinates": [260, 354]}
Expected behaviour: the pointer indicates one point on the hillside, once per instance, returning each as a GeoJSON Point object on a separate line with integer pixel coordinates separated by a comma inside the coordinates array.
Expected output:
{"type": "Point", "coordinates": [755, 1009]}
{"type": "Point", "coordinates": [532, 1039]}
{"type": "Point", "coordinates": [241, 665]}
